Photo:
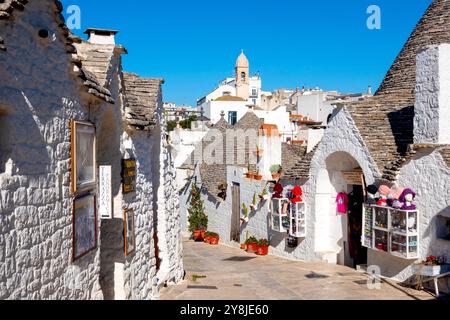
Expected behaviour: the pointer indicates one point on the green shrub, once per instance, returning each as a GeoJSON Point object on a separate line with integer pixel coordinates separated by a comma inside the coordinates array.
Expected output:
{"type": "Point", "coordinates": [198, 220]}
{"type": "Point", "coordinates": [263, 242]}
{"type": "Point", "coordinates": [252, 239]}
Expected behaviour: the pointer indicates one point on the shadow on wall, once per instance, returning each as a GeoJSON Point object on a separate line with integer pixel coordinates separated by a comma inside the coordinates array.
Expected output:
{"type": "Point", "coordinates": [25, 142]}
{"type": "Point", "coordinates": [402, 125]}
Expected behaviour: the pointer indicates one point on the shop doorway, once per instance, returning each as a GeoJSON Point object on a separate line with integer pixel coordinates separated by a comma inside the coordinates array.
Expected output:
{"type": "Point", "coordinates": [358, 253]}
{"type": "Point", "coordinates": [337, 235]}
{"type": "Point", "coordinates": [236, 213]}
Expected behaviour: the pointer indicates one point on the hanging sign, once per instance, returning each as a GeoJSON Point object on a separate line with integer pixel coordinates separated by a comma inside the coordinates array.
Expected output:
{"type": "Point", "coordinates": [128, 175]}
{"type": "Point", "coordinates": [353, 177]}
{"type": "Point", "coordinates": [105, 192]}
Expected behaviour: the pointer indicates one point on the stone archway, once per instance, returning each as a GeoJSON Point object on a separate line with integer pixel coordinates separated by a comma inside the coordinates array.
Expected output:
{"type": "Point", "coordinates": [331, 228]}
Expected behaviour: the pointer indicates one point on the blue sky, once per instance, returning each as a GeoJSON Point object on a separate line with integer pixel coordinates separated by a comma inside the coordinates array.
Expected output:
{"type": "Point", "coordinates": [194, 44]}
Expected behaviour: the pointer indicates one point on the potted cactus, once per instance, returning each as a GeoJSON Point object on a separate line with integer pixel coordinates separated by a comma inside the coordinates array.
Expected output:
{"type": "Point", "coordinates": [249, 174]}
{"type": "Point", "coordinates": [252, 244]}
{"type": "Point", "coordinates": [263, 247]}
{"type": "Point", "coordinates": [264, 194]}
{"type": "Point", "coordinates": [258, 177]}
{"type": "Point", "coordinates": [245, 212]}
{"type": "Point", "coordinates": [254, 204]}
{"type": "Point", "coordinates": [276, 171]}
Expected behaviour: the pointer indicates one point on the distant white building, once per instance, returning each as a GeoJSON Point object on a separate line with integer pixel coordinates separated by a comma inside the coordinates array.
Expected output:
{"type": "Point", "coordinates": [233, 95]}
{"type": "Point", "coordinates": [318, 105]}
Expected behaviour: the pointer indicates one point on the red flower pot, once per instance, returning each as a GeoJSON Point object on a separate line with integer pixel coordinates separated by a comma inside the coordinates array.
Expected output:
{"type": "Point", "coordinates": [258, 177]}
{"type": "Point", "coordinates": [207, 239]}
{"type": "Point", "coordinates": [252, 247]}
{"type": "Point", "coordinates": [203, 234]}
{"type": "Point", "coordinates": [214, 240]}
{"type": "Point", "coordinates": [250, 175]}
{"type": "Point", "coordinates": [263, 250]}
{"type": "Point", "coordinates": [198, 235]}
{"type": "Point", "coordinates": [243, 246]}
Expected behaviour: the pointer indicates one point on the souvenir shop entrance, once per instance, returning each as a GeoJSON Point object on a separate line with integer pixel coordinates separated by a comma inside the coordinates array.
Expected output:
{"type": "Point", "coordinates": [340, 194]}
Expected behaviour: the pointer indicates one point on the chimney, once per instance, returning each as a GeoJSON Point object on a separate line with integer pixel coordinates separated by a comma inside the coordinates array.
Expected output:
{"type": "Point", "coordinates": [101, 36]}
{"type": "Point", "coordinates": [432, 106]}
{"type": "Point", "coordinates": [369, 90]}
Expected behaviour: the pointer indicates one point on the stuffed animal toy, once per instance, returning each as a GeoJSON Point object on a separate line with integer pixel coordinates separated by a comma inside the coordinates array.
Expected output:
{"type": "Point", "coordinates": [407, 198]}
{"type": "Point", "coordinates": [384, 192]}
{"type": "Point", "coordinates": [297, 193]}
{"type": "Point", "coordinates": [396, 192]}
{"type": "Point", "coordinates": [278, 190]}
{"type": "Point", "coordinates": [372, 190]}
{"type": "Point", "coordinates": [397, 204]}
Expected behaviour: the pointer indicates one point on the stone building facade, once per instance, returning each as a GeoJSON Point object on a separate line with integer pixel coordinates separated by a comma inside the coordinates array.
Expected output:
{"type": "Point", "coordinates": [48, 78]}
{"type": "Point", "coordinates": [398, 138]}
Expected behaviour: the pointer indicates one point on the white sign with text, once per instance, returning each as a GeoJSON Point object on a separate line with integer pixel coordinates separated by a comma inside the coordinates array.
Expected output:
{"type": "Point", "coordinates": [105, 192]}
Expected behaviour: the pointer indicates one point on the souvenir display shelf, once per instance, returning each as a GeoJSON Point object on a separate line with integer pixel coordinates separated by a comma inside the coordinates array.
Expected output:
{"type": "Point", "coordinates": [391, 230]}
{"type": "Point", "coordinates": [297, 226]}
{"type": "Point", "coordinates": [279, 214]}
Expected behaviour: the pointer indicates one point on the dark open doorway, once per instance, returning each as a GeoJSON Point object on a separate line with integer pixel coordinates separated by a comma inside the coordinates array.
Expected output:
{"type": "Point", "coordinates": [355, 217]}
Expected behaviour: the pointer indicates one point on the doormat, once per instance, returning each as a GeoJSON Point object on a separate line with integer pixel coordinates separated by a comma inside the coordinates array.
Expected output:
{"type": "Point", "coordinates": [239, 259]}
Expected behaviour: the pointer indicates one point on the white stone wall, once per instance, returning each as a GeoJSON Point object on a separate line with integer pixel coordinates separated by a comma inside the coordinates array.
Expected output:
{"type": "Point", "coordinates": [36, 205]}
{"type": "Point", "coordinates": [428, 175]}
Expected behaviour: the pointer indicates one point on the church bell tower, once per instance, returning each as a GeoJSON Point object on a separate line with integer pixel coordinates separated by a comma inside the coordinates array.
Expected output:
{"type": "Point", "coordinates": [242, 77]}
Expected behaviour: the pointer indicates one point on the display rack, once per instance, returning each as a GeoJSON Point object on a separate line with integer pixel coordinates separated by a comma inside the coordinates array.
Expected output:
{"type": "Point", "coordinates": [391, 230]}
{"type": "Point", "coordinates": [297, 226]}
{"type": "Point", "coordinates": [279, 214]}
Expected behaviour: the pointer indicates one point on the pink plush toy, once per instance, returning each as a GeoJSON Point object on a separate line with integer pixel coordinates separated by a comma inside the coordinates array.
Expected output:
{"type": "Point", "coordinates": [384, 191]}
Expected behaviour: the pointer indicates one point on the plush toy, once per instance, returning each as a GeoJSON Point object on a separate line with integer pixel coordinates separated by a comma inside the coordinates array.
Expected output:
{"type": "Point", "coordinates": [407, 198]}
{"type": "Point", "coordinates": [384, 192]}
{"type": "Point", "coordinates": [372, 190]}
{"type": "Point", "coordinates": [397, 204]}
{"type": "Point", "coordinates": [297, 192]}
{"type": "Point", "coordinates": [396, 192]}
{"type": "Point", "coordinates": [278, 190]}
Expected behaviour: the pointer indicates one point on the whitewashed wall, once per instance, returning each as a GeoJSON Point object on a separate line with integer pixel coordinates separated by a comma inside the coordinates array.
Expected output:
{"type": "Point", "coordinates": [41, 97]}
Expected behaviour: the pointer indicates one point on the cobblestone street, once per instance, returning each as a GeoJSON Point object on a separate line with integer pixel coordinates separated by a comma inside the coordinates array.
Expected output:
{"type": "Point", "coordinates": [221, 272]}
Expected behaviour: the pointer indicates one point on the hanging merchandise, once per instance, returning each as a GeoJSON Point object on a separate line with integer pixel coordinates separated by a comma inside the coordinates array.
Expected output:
{"type": "Point", "coordinates": [407, 198]}
{"type": "Point", "coordinates": [384, 192]}
{"type": "Point", "coordinates": [372, 190]}
{"type": "Point", "coordinates": [278, 191]}
{"type": "Point", "coordinates": [297, 193]}
{"type": "Point", "coordinates": [342, 203]}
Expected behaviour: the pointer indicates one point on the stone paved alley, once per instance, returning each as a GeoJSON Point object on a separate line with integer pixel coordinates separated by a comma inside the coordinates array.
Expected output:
{"type": "Point", "coordinates": [234, 274]}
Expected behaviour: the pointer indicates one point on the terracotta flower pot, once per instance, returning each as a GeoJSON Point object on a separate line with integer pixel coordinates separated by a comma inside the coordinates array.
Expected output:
{"type": "Point", "coordinates": [250, 175]}
{"type": "Point", "coordinates": [207, 239]}
{"type": "Point", "coordinates": [258, 177]}
{"type": "Point", "coordinates": [276, 176]}
{"type": "Point", "coordinates": [203, 234]}
{"type": "Point", "coordinates": [263, 250]}
{"type": "Point", "coordinates": [252, 247]}
{"type": "Point", "coordinates": [214, 240]}
{"type": "Point", "coordinates": [198, 235]}
{"type": "Point", "coordinates": [243, 246]}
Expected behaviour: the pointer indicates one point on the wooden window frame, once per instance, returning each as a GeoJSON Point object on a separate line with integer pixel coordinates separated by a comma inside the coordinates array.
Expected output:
{"type": "Point", "coordinates": [125, 234]}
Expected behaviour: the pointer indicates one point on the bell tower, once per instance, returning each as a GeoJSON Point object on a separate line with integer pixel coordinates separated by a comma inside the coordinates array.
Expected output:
{"type": "Point", "coordinates": [242, 76]}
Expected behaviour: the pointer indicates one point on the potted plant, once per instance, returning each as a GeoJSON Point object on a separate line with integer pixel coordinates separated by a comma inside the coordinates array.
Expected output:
{"type": "Point", "coordinates": [214, 238]}
{"type": "Point", "coordinates": [245, 211]}
{"type": "Point", "coordinates": [433, 266]}
{"type": "Point", "coordinates": [244, 245]}
{"type": "Point", "coordinates": [198, 220]}
{"type": "Point", "coordinates": [264, 195]}
{"type": "Point", "coordinates": [276, 171]}
{"type": "Point", "coordinates": [254, 204]}
{"type": "Point", "coordinates": [259, 151]}
{"type": "Point", "coordinates": [257, 175]}
{"type": "Point", "coordinates": [263, 247]}
{"type": "Point", "coordinates": [249, 174]}
{"type": "Point", "coordinates": [223, 191]}
{"type": "Point", "coordinates": [252, 244]}
{"type": "Point", "coordinates": [208, 236]}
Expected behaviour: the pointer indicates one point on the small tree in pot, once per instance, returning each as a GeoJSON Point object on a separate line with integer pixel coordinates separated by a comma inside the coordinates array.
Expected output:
{"type": "Point", "coordinates": [276, 171]}
{"type": "Point", "coordinates": [198, 220]}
